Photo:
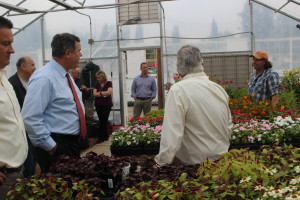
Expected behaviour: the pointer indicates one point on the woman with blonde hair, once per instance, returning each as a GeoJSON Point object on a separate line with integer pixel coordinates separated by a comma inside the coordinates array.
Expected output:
{"type": "Point", "coordinates": [103, 103]}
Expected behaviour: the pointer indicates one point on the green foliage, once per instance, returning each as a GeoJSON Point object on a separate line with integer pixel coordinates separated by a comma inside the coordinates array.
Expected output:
{"type": "Point", "coordinates": [156, 113]}
{"type": "Point", "coordinates": [265, 174]}
{"type": "Point", "coordinates": [288, 98]}
{"type": "Point", "coordinates": [51, 188]}
{"type": "Point", "coordinates": [236, 93]}
{"type": "Point", "coordinates": [290, 85]}
{"type": "Point", "coordinates": [233, 166]}
{"type": "Point", "coordinates": [130, 103]}
{"type": "Point", "coordinates": [165, 190]}
{"type": "Point", "coordinates": [291, 80]}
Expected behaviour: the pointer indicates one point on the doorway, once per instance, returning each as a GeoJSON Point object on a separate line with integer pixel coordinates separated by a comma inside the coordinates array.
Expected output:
{"type": "Point", "coordinates": [131, 60]}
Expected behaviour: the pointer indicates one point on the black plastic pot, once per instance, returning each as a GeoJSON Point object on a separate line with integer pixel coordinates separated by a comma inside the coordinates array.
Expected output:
{"type": "Point", "coordinates": [151, 150]}
{"type": "Point", "coordinates": [126, 151]}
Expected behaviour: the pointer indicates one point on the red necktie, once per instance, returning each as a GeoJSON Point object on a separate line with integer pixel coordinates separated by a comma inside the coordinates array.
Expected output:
{"type": "Point", "coordinates": [79, 108]}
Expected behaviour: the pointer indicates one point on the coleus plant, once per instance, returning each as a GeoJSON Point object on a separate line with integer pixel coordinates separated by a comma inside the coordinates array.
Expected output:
{"type": "Point", "coordinates": [269, 173]}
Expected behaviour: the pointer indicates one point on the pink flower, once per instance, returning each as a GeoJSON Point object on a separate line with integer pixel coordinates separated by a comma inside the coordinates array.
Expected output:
{"type": "Point", "coordinates": [251, 139]}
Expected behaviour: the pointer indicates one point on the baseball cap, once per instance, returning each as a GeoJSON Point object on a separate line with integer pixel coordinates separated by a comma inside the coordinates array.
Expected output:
{"type": "Point", "coordinates": [260, 55]}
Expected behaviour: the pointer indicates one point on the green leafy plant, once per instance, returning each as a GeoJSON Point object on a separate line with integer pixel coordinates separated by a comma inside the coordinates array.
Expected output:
{"type": "Point", "coordinates": [165, 190]}
{"type": "Point", "coordinates": [291, 80]}
{"type": "Point", "coordinates": [269, 173]}
{"type": "Point", "coordinates": [155, 113]}
{"type": "Point", "coordinates": [288, 99]}
{"type": "Point", "coordinates": [33, 188]}
{"type": "Point", "coordinates": [233, 166]}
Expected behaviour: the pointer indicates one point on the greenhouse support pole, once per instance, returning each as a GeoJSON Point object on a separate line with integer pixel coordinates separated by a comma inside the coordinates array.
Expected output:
{"type": "Point", "coordinates": [43, 39]}
{"type": "Point", "coordinates": [122, 106]}
{"type": "Point", "coordinates": [161, 98]}
{"type": "Point", "coordinates": [252, 36]}
{"type": "Point", "coordinates": [251, 26]}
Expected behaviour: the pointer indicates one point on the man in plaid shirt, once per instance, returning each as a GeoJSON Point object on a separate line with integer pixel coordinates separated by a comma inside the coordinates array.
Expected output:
{"type": "Point", "coordinates": [264, 82]}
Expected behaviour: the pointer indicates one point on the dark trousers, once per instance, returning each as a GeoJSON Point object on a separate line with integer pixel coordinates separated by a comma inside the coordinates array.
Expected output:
{"type": "Point", "coordinates": [103, 114]}
{"type": "Point", "coordinates": [30, 163]}
{"type": "Point", "coordinates": [66, 145]}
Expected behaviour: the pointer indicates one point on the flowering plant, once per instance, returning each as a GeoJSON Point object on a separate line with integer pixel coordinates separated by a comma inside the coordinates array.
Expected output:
{"type": "Point", "coordinates": [176, 78]}
{"type": "Point", "coordinates": [250, 108]}
{"type": "Point", "coordinates": [263, 131]}
{"type": "Point", "coordinates": [255, 131]}
{"type": "Point", "coordinates": [146, 120]}
{"type": "Point", "coordinates": [137, 135]}
{"type": "Point", "coordinates": [291, 128]}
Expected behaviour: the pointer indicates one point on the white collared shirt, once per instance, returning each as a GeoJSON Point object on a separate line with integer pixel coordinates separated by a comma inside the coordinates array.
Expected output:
{"type": "Point", "coordinates": [24, 83]}
{"type": "Point", "coordinates": [13, 142]}
{"type": "Point", "coordinates": [197, 121]}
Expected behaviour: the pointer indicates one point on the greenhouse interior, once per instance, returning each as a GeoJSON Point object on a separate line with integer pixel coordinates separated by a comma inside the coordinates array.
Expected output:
{"type": "Point", "coordinates": [243, 143]}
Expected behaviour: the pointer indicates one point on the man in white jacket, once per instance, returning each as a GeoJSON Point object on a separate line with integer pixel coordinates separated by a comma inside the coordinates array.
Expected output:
{"type": "Point", "coordinates": [197, 121]}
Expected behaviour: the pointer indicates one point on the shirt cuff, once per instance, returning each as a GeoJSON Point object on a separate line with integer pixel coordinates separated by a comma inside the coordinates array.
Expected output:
{"type": "Point", "coordinates": [49, 144]}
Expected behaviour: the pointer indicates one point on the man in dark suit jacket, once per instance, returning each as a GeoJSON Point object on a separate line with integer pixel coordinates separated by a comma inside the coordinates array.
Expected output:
{"type": "Point", "coordinates": [80, 83]}
{"type": "Point", "coordinates": [19, 81]}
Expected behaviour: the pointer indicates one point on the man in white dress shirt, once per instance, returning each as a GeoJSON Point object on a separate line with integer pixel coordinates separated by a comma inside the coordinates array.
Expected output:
{"type": "Point", "coordinates": [13, 142]}
{"type": "Point", "coordinates": [197, 121]}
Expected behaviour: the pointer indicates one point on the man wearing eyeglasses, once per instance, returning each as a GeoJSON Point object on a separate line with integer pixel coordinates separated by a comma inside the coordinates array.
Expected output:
{"type": "Point", "coordinates": [264, 82]}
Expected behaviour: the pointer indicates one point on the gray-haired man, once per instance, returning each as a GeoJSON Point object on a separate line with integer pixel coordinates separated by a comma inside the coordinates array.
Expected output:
{"type": "Point", "coordinates": [197, 120]}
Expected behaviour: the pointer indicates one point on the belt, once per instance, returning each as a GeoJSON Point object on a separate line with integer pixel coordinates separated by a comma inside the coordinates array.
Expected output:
{"type": "Point", "coordinates": [143, 98]}
{"type": "Point", "coordinates": [65, 136]}
{"type": "Point", "coordinates": [6, 170]}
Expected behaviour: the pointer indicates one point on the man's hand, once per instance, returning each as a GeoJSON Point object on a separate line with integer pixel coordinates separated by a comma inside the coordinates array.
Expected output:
{"type": "Point", "coordinates": [53, 150]}
{"type": "Point", "coordinates": [84, 88]}
{"type": "Point", "coordinates": [2, 178]}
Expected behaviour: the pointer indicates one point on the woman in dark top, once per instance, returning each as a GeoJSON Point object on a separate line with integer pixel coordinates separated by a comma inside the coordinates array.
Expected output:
{"type": "Point", "coordinates": [103, 103]}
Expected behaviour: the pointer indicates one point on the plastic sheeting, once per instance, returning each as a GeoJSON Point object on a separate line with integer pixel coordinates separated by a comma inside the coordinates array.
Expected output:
{"type": "Point", "coordinates": [289, 7]}
{"type": "Point", "coordinates": [212, 25]}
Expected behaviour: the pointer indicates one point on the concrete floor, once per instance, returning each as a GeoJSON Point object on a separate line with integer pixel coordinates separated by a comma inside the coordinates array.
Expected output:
{"type": "Point", "coordinates": [102, 148]}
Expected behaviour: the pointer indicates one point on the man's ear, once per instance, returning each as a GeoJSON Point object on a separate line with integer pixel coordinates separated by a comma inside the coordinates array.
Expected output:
{"type": "Point", "coordinates": [67, 52]}
{"type": "Point", "coordinates": [23, 66]}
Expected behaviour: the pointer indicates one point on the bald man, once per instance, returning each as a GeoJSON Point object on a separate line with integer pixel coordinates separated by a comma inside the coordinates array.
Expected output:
{"type": "Point", "coordinates": [80, 83]}
{"type": "Point", "coordinates": [19, 81]}
{"type": "Point", "coordinates": [25, 67]}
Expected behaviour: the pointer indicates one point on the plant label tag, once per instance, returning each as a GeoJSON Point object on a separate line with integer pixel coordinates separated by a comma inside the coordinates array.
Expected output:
{"type": "Point", "coordinates": [110, 183]}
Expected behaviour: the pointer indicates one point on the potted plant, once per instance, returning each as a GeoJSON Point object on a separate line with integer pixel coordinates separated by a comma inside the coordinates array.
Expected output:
{"type": "Point", "coordinates": [268, 173]}
{"type": "Point", "coordinates": [50, 188]}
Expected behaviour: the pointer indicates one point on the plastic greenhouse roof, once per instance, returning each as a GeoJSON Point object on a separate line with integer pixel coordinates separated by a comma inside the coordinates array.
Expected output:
{"type": "Point", "coordinates": [24, 12]}
{"type": "Point", "coordinates": [290, 8]}
{"type": "Point", "coordinates": [22, 19]}
{"type": "Point", "coordinates": [37, 8]}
